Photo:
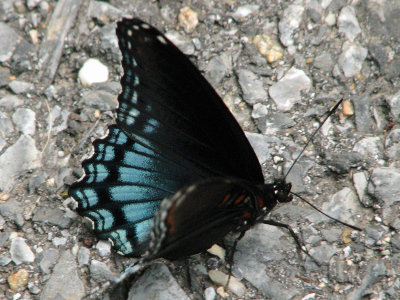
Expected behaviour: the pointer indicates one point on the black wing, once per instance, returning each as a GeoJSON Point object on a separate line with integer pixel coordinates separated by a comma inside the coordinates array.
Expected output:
{"type": "Point", "coordinates": [200, 215]}
{"type": "Point", "coordinates": [168, 105]}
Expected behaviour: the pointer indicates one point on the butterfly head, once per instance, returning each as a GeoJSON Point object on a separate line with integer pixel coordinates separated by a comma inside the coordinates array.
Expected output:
{"type": "Point", "coordinates": [277, 192]}
{"type": "Point", "coordinates": [282, 191]}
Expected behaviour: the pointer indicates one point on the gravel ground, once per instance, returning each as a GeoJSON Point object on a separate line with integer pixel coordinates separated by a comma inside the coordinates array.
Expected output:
{"type": "Point", "coordinates": [279, 66]}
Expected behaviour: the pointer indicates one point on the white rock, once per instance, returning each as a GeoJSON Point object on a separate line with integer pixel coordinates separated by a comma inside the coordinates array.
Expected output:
{"type": "Point", "coordinates": [93, 71]}
{"type": "Point", "coordinates": [25, 120]}
{"type": "Point", "coordinates": [287, 91]}
{"type": "Point", "coordinates": [9, 39]}
{"type": "Point", "coordinates": [21, 252]}
{"type": "Point", "coordinates": [245, 10]}
{"type": "Point", "coordinates": [217, 251]}
{"type": "Point", "coordinates": [59, 241]}
{"type": "Point", "coordinates": [18, 158]}
{"type": "Point", "coordinates": [348, 23]}
{"type": "Point", "coordinates": [330, 19]}
{"type": "Point", "coordinates": [290, 21]}
{"type": "Point", "coordinates": [104, 248]}
{"type": "Point", "coordinates": [360, 181]}
{"type": "Point", "coordinates": [352, 58]}
{"type": "Point", "coordinates": [209, 293]}
{"type": "Point", "coordinates": [234, 284]}
{"type": "Point", "coordinates": [252, 87]}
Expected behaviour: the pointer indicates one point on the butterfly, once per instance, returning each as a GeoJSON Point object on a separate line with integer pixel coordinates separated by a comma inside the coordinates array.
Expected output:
{"type": "Point", "coordinates": [176, 173]}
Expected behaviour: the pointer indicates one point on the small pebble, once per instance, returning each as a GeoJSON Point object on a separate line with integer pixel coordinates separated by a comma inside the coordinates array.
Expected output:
{"type": "Point", "coordinates": [34, 36]}
{"type": "Point", "coordinates": [244, 11]}
{"type": "Point", "coordinates": [217, 251]}
{"type": "Point", "coordinates": [221, 291]}
{"type": "Point", "coordinates": [104, 248]}
{"type": "Point", "coordinates": [93, 71]}
{"type": "Point", "coordinates": [268, 47]}
{"type": "Point", "coordinates": [347, 108]}
{"type": "Point", "coordinates": [234, 285]}
{"type": "Point", "coordinates": [346, 236]}
{"type": "Point", "coordinates": [18, 281]}
{"type": "Point", "coordinates": [330, 19]}
{"type": "Point", "coordinates": [209, 293]}
{"type": "Point", "coordinates": [21, 252]}
{"type": "Point", "coordinates": [188, 19]}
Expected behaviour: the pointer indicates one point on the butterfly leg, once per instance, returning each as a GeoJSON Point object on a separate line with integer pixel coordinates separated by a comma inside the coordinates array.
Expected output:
{"type": "Point", "coordinates": [300, 247]}
{"type": "Point", "coordinates": [231, 253]}
{"type": "Point", "coordinates": [188, 275]}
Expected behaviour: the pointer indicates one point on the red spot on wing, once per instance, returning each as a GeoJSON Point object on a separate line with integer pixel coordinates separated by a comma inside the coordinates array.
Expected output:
{"type": "Point", "coordinates": [226, 198]}
{"type": "Point", "coordinates": [170, 220]}
{"type": "Point", "coordinates": [260, 202]}
{"type": "Point", "coordinates": [240, 198]}
{"type": "Point", "coordinates": [247, 215]}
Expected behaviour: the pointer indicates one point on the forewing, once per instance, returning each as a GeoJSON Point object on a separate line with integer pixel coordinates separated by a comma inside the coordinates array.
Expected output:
{"type": "Point", "coordinates": [168, 105]}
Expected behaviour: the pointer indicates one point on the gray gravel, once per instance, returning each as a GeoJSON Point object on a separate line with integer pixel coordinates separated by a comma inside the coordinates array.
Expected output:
{"type": "Point", "coordinates": [329, 49]}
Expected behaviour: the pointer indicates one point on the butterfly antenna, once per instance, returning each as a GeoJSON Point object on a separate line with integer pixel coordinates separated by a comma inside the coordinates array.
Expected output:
{"type": "Point", "coordinates": [332, 218]}
{"type": "Point", "coordinates": [329, 113]}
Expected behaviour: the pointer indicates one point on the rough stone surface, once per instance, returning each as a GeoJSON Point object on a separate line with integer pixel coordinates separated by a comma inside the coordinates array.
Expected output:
{"type": "Point", "coordinates": [352, 58]}
{"type": "Point", "coordinates": [9, 39]}
{"type": "Point", "coordinates": [20, 87]}
{"type": "Point", "coordinates": [11, 101]}
{"type": "Point", "coordinates": [219, 67]}
{"type": "Point", "coordinates": [104, 248]}
{"type": "Point", "coordinates": [348, 23]}
{"type": "Point", "coordinates": [49, 258]}
{"type": "Point", "coordinates": [53, 216]}
{"type": "Point", "coordinates": [64, 280]}
{"type": "Point", "coordinates": [156, 283]}
{"type": "Point", "coordinates": [370, 148]}
{"type": "Point", "coordinates": [18, 280]}
{"type": "Point", "coordinates": [363, 115]}
{"type": "Point", "coordinates": [290, 21]}
{"type": "Point", "coordinates": [19, 157]}
{"type": "Point", "coordinates": [383, 185]}
{"type": "Point", "coordinates": [252, 87]}
{"type": "Point", "coordinates": [25, 121]}
{"type": "Point", "coordinates": [394, 103]}
{"type": "Point", "coordinates": [83, 256]}
{"type": "Point", "coordinates": [182, 42]}
{"type": "Point", "coordinates": [287, 91]}
{"type": "Point", "coordinates": [265, 242]}
{"type": "Point", "coordinates": [243, 11]}
{"type": "Point", "coordinates": [21, 252]}
{"type": "Point", "coordinates": [100, 271]}
{"type": "Point", "coordinates": [260, 144]}
{"type": "Point", "coordinates": [343, 205]}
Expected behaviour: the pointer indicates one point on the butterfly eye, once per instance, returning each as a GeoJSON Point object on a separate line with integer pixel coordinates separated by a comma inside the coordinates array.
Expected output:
{"type": "Point", "coordinates": [283, 197]}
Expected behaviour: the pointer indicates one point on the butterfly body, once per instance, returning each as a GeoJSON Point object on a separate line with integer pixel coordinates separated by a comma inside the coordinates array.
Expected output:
{"type": "Point", "coordinates": [176, 173]}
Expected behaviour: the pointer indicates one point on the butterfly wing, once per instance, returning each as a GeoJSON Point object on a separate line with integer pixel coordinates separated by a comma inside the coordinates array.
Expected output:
{"type": "Point", "coordinates": [172, 130]}
{"type": "Point", "coordinates": [200, 215]}
{"type": "Point", "coordinates": [168, 105]}
{"type": "Point", "coordinates": [122, 188]}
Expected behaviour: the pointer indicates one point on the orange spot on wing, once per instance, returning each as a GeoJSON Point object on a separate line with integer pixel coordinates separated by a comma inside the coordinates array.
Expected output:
{"type": "Point", "coordinates": [260, 202]}
{"type": "Point", "coordinates": [247, 215]}
{"type": "Point", "coordinates": [226, 198]}
{"type": "Point", "coordinates": [240, 199]}
{"type": "Point", "coordinates": [170, 220]}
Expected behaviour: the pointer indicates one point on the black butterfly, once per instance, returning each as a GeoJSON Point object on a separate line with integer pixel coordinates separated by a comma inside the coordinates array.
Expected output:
{"type": "Point", "coordinates": [176, 173]}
